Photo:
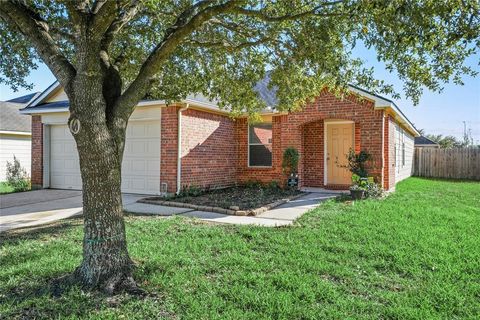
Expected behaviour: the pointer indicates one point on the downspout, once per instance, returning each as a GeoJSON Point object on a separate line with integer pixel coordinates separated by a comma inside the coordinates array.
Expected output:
{"type": "Point", "coordinates": [179, 148]}
{"type": "Point", "coordinates": [383, 152]}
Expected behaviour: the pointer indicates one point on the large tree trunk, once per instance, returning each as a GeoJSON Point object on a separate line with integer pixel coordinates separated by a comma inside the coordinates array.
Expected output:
{"type": "Point", "coordinates": [106, 264]}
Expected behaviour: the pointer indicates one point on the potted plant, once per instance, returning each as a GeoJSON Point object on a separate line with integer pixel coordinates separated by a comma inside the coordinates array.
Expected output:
{"type": "Point", "coordinates": [357, 166]}
{"type": "Point", "coordinates": [290, 166]}
{"type": "Point", "coordinates": [358, 188]}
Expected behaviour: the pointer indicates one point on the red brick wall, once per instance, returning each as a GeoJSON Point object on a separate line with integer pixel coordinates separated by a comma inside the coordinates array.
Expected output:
{"type": "Point", "coordinates": [298, 130]}
{"type": "Point", "coordinates": [313, 161]}
{"type": "Point", "coordinates": [37, 152]}
{"type": "Point", "coordinates": [168, 148]}
{"type": "Point", "coordinates": [209, 153]}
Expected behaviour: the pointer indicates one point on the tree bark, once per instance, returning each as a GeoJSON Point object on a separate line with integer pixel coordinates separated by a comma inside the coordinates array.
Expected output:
{"type": "Point", "coordinates": [106, 264]}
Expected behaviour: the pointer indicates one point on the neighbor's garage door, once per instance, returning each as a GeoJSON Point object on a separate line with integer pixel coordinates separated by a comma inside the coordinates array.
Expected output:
{"type": "Point", "coordinates": [141, 159]}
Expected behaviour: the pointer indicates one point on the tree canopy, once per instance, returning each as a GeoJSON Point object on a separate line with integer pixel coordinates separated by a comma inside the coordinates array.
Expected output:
{"type": "Point", "coordinates": [222, 48]}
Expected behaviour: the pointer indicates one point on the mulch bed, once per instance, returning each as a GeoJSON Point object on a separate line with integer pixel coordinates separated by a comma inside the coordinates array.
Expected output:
{"type": "Point", "coordinates": [242, 200]}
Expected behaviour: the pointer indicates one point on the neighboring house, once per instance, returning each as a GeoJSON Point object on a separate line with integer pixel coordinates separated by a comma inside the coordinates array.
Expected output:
{"type": "Point", "coordinates": [217, 151]}
{"type": "Point", "coordinates": [424, 142]}
{"type": "Point", "coordinates": [15, 134]}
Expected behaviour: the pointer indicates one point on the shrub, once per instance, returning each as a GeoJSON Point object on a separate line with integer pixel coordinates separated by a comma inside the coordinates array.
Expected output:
{"type": "Point", "coordinates": [190, 191]}
{"type": "Point", "coordinates": [358, 182]}
{"type": "Point", "coordinates": [357, 162]}
{"type": "Point", "coordinates": [17, 176]}
{"type": "Point", "coordinates": [373, 190]}
{"type": "Point", "coordinates": [274, 184]}
{"type": "Point", "coordinates": [254, 184]}
{"type": "Point", "coordinates": [290, 160]}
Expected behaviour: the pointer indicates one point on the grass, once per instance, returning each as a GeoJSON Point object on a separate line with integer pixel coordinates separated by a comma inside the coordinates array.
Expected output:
{"type": "Point", "coordinates": [5, 188]}
{"type": "Point", "coordinates": [244, 197]}
{"type": "Point", "coordinates": [413, 255]}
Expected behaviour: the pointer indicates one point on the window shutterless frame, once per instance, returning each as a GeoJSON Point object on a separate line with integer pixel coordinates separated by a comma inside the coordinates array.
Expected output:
{"type": "Point", "coordinates": [250, 143]}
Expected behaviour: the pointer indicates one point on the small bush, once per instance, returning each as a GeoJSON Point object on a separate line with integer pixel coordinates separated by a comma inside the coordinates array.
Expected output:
{"type": "Point", "coordinates": [274, 184]}
{"type": "Point", "coordinates": [373, 190]}
{"type": "Point", "coordinates": [190, 191]}
{"type": "Point", "coordinates": [290, 160]}
{"type": "Point", "coordinates": [253, 184]}
{"type": "Point", "coordinates": [17, 176]}
{"type": "Point", "coordinates": [357, 163]}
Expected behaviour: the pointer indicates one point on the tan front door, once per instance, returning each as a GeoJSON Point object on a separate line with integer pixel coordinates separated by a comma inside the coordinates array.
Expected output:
{"type": "Point", "coordinates": [339, 141]}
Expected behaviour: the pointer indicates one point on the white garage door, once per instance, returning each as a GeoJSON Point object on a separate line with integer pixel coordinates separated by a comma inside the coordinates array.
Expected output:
{"type": "Point", "coordinates": [141, 159]}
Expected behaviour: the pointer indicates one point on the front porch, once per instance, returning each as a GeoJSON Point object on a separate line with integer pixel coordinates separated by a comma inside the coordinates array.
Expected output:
{"type": "Point", "coordinates": [325, 144]}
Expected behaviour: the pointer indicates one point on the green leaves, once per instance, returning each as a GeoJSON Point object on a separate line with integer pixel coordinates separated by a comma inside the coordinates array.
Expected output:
{"type": "Point", "coordinates": [303, 46]}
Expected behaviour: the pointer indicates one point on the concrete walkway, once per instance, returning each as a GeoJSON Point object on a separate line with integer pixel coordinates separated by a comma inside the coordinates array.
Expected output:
{"type": "Point", "coordinates": [33, 208]}
{"type": "Point", "coordinates": [283, 215]}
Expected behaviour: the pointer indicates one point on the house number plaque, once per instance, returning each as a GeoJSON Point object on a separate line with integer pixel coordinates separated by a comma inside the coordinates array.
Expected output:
{"type": "Point", "coordinates": [74, 126]}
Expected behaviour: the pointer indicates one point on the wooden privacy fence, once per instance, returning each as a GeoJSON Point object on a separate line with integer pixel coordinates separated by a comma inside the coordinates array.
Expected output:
{"type": "Point", "coordinates": [447, 163]}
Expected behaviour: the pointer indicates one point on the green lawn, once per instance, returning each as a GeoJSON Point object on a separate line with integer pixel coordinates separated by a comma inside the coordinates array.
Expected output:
{"type": "Point", "coordinates": [415, 254]}
{"type": "Point", "coordinates": [5, 188]}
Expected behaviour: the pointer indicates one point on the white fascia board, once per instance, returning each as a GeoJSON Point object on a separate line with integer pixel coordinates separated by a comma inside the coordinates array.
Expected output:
{"type": "Point", "coordinates": [20, 133]}
{"type": "Point", "coordinates": [43, 110]}
{"type": "Point", "coordinates": [401, 118]}
{"type": "Point", "coordinates": [381, 103]}
{"type": "Point", "coordinates": [150, 103]}
{"type": "Point", "coordinates": [43, 95]}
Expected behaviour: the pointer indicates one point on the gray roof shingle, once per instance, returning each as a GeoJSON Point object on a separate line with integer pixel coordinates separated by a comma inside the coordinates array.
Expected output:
{"type": "Point", "coordinates": [424, 140]}
{"type": "Point", "coordinates": [12, 120]}
{"type": "Point", "coordinates": [24, 99]}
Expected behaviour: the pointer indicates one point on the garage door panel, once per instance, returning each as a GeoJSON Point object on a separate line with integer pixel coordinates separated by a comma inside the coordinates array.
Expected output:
{"type": "Point", "coordinates": [56, 147]}
{"type": "Point", "coordinates": [139, 167]}
{"type": "Point", "coordinates": [141, 159]}
{"type": "Point", "coordinates": [153, 146]}
{"type": "Point", "coordinates": [153, 130]}
{"type": "Point", "coordinates": [153, 167]}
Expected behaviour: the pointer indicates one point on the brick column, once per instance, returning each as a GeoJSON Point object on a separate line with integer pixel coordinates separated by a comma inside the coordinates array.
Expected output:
{"type": "Point", "coordinates": [168, 153]}
{"type": "Point", "coordinates": [37, 153]}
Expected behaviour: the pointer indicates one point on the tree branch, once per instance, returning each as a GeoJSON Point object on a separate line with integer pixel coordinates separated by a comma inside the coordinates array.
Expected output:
{"type": "Point", "coordinates": [173, 37]}
{"type": "Point", "coordinates": [118, 23]}
{"type": "Point", "coordinates": [107, 13]}
{"type": "Point", "coordinates": [17, 15]}
{"type": "Point", "coordinates": [264, 17]}
{"type": "Point", "coordinates": [229, 46]}
{"type": "Point", "coordinates": [61, 34]}
{"type": "Point", "coordinates": [76, 9]}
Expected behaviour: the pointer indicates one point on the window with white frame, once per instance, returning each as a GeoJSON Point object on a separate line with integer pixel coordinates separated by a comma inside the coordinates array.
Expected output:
{"type": "Point", "coordinates": [260, 145]}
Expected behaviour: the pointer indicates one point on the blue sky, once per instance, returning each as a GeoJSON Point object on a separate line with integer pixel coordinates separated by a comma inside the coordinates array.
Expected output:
{"type": "Point", "coordinates": [437, 113]}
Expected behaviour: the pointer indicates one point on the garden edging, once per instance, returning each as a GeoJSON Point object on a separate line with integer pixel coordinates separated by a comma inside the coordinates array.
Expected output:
{"type": "Point", "coordinates": [251, 212]}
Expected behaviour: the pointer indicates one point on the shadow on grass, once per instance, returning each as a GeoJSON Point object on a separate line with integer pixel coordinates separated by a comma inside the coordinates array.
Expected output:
{"type": "Point", "coordinates": [54, 297]}
{"type": "Point", "coordinates": [42, 301]}
{"type": "Point", "coordinates": [55, 229]}
{"type": "Point", "coordinates": [343, 198]}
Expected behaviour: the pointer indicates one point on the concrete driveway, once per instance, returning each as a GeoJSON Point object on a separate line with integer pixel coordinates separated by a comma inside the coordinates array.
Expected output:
{"type": "Point", "coordinates": [32, 208]}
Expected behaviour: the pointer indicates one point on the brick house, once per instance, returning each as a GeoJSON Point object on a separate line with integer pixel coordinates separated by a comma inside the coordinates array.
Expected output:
{"type": "Point", "coordinates": [193, 142]}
